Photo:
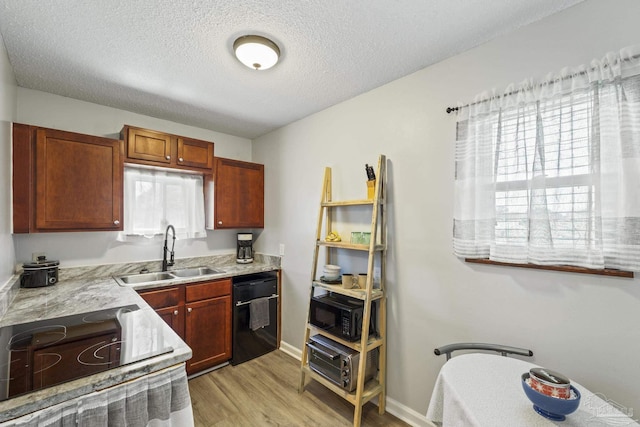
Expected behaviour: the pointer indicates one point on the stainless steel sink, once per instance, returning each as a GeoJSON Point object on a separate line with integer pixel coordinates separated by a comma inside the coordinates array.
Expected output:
{"type": "Point", "coordinates": [195, 272]}
{"type": "Point", "coordinates": [146, 277]}
{"type": "Point", "coordinates": [162, 276]}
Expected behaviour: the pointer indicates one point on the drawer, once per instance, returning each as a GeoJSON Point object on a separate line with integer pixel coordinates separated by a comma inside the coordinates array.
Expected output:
{"type": "Point", "coordinates": [160, 298]}
{"type": "Point", "coordinates": [200, 291]}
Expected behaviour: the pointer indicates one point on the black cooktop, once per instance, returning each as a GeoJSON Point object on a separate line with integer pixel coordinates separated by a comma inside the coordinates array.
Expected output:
{"type": "Point", "coordinates": [44, 353]}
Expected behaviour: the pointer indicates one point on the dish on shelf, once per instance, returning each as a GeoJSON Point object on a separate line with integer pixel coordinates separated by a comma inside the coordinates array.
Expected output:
{"type": "Point", "coordinates": [337, 281]}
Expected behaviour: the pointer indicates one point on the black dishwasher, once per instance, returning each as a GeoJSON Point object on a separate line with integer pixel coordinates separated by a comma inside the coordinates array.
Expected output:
{"type": "Point", "coordinates": [260, 289]}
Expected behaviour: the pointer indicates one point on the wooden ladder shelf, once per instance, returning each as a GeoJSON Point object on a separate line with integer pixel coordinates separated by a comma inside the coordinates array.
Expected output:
{"type": "Point", "coordinates": [372, 292]}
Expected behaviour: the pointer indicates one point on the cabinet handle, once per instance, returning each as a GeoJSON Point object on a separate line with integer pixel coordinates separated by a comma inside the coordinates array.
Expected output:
{"type": "Point", "coordinates": [181, 159]}
{"type": "Point", "coordinates": [116, 222]}
{"type": "Point", "coordinates": [175, 312]}
{"type": "Point", "coordinates": [189, 309]}
{"type": "Point", "coordinates": [168, 157]}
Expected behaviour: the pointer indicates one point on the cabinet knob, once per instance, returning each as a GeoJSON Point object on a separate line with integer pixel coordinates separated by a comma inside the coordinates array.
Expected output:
{"type": "Point", "coordinates": [181, 159]}
{"type": "Point", "coordinates": [175, 312]}
{"type": "Point", "coordinates": [219, 222]}
{"type": "Point", "coordinates": [116, 222]}
{"type": "Point", "coordinates": [168, 157]}
{"type": "Point", "coordinates": [189, 309]}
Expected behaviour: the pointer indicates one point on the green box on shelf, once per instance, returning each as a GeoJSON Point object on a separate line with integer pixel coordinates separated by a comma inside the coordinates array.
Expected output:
{"type": "Point", "coordinates": [360, 237]}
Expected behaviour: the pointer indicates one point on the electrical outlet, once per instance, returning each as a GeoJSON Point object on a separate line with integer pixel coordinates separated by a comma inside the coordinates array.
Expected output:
{"type": "Point", "coordinates": [281, 249]}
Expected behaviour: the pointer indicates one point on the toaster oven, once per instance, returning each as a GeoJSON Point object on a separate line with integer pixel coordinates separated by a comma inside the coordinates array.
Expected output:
{"type": "Point", "coordinates": [338, 363]}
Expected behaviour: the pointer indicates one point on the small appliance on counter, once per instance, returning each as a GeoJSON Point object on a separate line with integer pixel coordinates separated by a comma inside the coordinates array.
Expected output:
{"type": "Point", "coordinates": [244, 252]}
{"type": "Point", "coordinates": [40, 273]}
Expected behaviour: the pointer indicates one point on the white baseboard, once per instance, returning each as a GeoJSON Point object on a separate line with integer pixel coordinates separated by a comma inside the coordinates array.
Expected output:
{"type": "Point", "coordinates": [394, 407]}
{"type": "Point", "coordinates": [291, 350]}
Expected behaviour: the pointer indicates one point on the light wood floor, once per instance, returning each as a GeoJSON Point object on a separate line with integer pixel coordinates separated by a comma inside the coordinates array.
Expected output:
{"type": "Point", "coordinates": [263, 392]}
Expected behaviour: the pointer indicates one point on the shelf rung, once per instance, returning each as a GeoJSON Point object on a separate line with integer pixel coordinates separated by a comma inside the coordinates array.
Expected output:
{"type": "Point", "coordinates": [344, 245]}
{"type": "Point", "coordinates": [374, 341]}
{"type": "Point", "coordinates": [353, 293]}
{"type": "Point", "coordinates": [361, 202]}
{"type": "Point", "coordinates": [371, 389]}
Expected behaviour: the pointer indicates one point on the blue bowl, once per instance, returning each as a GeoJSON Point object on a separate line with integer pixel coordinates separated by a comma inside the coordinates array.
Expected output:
{"type": "Point", "coordinates": [549, 407]}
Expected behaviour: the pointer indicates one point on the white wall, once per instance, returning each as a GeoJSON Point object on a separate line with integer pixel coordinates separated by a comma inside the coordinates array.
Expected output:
{"type": "Point", "coordinates": [585, 326]}
{"type": "Point", "coordinates": [89, 248]}
{"type": "Point", "coordinates": [7, 115]}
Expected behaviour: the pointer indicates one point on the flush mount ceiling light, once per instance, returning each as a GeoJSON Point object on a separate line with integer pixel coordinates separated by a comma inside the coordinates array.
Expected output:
{"type": "Point", "coordinates": [256, 52]}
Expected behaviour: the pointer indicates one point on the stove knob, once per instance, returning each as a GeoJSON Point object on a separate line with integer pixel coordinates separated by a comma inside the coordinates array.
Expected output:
{"type": "Point", "coordinates": [52, 280]}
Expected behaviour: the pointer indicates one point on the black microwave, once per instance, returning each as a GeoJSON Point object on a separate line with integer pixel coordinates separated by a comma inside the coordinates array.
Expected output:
{"type": "Point", "coordinates": [340, 316]}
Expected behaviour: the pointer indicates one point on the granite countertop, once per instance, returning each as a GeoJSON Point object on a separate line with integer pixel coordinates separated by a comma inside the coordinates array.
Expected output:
{"type": "Point", "coordinates": [86, 289]}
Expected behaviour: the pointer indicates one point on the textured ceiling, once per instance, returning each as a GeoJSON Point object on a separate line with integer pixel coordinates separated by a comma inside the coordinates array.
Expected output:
{"type": "Point", "coordinates": [172, 59]}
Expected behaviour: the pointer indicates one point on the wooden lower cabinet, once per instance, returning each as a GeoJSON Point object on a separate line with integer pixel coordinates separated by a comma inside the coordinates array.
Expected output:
{"type": "Point", "coordinates": [208, 332]}
{"type": "Point", "coordinates": [169, 304]}
{"type": "Point", "coordinates": [200, 313]}
{"type": "Point", "coordinates": [85, 349]}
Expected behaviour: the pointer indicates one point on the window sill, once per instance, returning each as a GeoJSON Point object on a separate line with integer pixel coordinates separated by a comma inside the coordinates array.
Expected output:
{"type": "Point", "coordinates": [565, 268]}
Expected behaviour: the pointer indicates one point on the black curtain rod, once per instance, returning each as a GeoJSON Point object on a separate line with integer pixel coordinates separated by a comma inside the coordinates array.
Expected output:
{"type": "Point", "coordinates": [450, 110]}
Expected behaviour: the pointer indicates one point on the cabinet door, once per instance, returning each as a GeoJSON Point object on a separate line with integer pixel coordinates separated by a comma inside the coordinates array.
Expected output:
{"type": "Point", "coordinates": [169, 304]}
{"type": "Point", "coordinates": [148, 145]}
{"type": "Point", "coordinates": [239, 194]}
{"type": "Point", "coordinates": [208, 332]}
{"type": "Point", "coordinates": [78, 182]}
{"type": "Point", "coordinates": [195, 154]}
{"type": "Point", "coordinates": [77, 358]}
{"type": "Point", "coordinates": [174, 317]}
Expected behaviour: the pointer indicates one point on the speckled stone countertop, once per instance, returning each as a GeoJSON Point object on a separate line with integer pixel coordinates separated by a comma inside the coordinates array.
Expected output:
{"type": "Point", "coordinates": [85, 289]}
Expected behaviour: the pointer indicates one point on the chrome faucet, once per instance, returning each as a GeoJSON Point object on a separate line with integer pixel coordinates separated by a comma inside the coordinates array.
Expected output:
{"type": "Point", "coordinates": [165, 250]}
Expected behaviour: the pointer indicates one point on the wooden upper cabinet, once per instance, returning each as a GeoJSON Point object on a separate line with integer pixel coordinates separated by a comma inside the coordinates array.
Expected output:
{"type": "Point", "coordinates": [147, 145]}
{"type": "Point", "coordinates": [65, 181]}
{"type": "Point", "coordinates": [238, 194]}
{"type": "Point", "coordinates": [150, 147]}
{"type": "Point", "coordinates": [194, 153]}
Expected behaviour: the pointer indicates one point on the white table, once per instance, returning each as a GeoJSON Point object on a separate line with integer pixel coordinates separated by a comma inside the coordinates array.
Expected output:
{"type": "Point", "coordinates": [485, 390]}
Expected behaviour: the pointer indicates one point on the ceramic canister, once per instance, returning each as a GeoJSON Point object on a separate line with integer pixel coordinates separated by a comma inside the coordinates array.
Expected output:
{"type": "Point", "coordinates": [550, 383]}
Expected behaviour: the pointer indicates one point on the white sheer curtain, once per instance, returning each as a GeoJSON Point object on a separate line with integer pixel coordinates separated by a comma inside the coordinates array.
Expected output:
{"type": "Point", "coordinates": [154, 199]}
{"type": "Point", "coordinates": [550, 173]}
{"type": "Point", "coordinates": [159, 399]}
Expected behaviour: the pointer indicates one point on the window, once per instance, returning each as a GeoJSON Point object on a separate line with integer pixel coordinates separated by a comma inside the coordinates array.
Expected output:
{"type": "Point", "coordinates": [549, 174]}
{"type": "Point", "coordinates": [153, 199]}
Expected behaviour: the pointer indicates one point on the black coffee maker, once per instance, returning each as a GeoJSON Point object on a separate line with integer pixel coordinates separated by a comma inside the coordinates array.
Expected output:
{"type": "Point", "coordinates": [244, 251]}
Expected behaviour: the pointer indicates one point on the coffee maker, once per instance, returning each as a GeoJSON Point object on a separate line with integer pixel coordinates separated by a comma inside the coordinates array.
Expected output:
{"type": "Point", "coordinates": [244, 252]}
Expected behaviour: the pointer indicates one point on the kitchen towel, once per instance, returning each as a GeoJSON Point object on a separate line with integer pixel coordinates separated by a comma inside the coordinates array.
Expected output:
{"type": "Point", "coordinates": [259, 313]}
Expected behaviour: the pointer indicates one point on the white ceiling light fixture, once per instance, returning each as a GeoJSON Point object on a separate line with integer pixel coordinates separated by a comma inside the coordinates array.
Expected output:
{"type": "Point", "coordinates": [256, 52]}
